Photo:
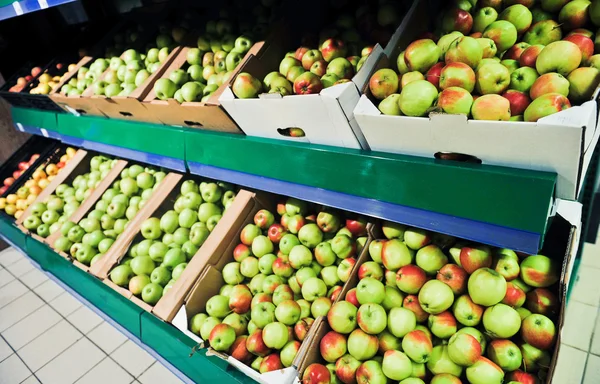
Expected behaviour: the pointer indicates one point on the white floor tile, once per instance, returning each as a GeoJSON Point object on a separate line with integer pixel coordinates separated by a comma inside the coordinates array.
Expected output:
{"type": "Point", "coordinates": [107, 337]}
{"type": "Point", "coordinates": [570, 366]}
{"type": "Point", "coordinates": [31, 327]}
{"type": "Point", "coordinates": [49, 345]}
{"type": "Point", "coordinates": [158, 374]}
{"type": "Point", "coordinates": [84, 319]}
{"type": "Point", "coordinates": [5, 349]}
{"type": "Point", "coordinates": [65, 304]}
{"type": "Point", "coordinates": [592, 370]}
{"type": "Point", "coordinates": [579, 325]}
{"type": "Point", "coordinates": [48, 290]}
{"type": "Point", "coordinates": [587, 286]}
{"type": "Point", "coordinates": [591, 255]}
{"type": "Point", "coordinates": [31, 380]}
{"type": "Point", "coordinates": [107, 371]}
{"type": "Point", "coordinates": [11, 291]}
{"type": "Point", "coordinates": [13, 371]}
{"type": "Point", "coordinates": [9, 256]}
{"type": "Point", "coordinates": [18, 309]}
{"type": "Point", "coordinates": [33, 278]}
{"type": "Point", "coordinates": [72, 364]}
{"type": "Point", "coordinates": [20, 267]}
{"type": "Point", "coordinates": [5, 277]}
{"type": "Point", "coordinates": [133, 358]}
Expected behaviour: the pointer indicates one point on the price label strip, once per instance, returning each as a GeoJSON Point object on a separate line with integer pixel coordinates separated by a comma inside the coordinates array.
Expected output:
{"type": "Point", "coordinates": [43, 4]}
{"type": "Point", "coordinates": [18, 9]}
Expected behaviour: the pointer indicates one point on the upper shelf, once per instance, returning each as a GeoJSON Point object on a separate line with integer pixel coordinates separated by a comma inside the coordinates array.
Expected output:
{"type": "Point", "coordinates": [11, 8]}
{"type": "Point", "coordinates": [495, 205]}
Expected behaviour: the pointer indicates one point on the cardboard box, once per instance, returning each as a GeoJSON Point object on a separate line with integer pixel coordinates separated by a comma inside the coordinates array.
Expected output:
{"type": "Point", "coordinates": [175, 296]}
{"type": "Point", "coordinates": [216, 252]}
{"type": "Point", "coordinates": [562, 143]}
{"type": "Point", "coordinates": [130, 107]}
{"type": "Point", "coordinates": [326, 118]}
{"type": "Point", "coordinates": [103, 266]}
{"type": "Point", "coordinates": [208, 115]}
{"type": "Point", "coordinates": [78, 104]}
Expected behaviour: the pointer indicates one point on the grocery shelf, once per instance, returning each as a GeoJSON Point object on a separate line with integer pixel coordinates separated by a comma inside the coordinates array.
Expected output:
{"type": "Point", "coordinates": [167, 344]}
{"type": "Point", "coordinates": [10, 9]}
{"type": "Point", "coordinates": [495, 205]}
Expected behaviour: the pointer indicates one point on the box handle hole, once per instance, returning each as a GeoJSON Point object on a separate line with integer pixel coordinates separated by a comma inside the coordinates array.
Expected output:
{"type": "Point", "coordinates": [126, 114]}
{"type": "Point", "coordinates": [81, 111]}
{"type": "Point", "coordinates": [463, 158]}
{"type": "Point", "coordinates": [291, 132]}
{"type": "Point", "coordinates": [193, 123]}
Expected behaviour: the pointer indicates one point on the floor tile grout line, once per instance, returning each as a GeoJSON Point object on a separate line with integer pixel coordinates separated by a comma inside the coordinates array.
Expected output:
{"type": "Point", "coordinates": [23, 361]}
{"type": "Point", "coordinates": [587, 359]}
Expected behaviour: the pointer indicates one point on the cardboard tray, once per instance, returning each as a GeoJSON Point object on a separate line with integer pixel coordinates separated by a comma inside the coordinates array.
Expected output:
{"type": "Point", "coordinates": [23, 98]}
{"type": "Point", "coordinates": [326, 118]}
{"type": "Point", "coordinates": [216, 253]}
{"type": "Point", "coordinates": [208, 115]}
{"type": "Point", "coordinates": [179, 290]}
{"type": "Point", "coordinates": [562, 143]}
{"type": "Point", "coordinates": [130, 107]}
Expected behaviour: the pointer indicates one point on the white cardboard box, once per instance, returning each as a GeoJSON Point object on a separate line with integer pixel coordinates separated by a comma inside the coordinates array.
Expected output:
{"type": "Point", "coordinates": [326, 118]}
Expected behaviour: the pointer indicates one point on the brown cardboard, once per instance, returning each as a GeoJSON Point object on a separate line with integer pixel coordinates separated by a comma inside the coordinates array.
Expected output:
{"type": "Point", "coordinates": [204, 115]}
{"type": "Point", "coordinates": [88, 204]}
{"type": "Point", "coordinates": [116, 252]}
{"type": "Point", "coordinates": [130, 107]}
{"type": "Point", "coordinates": [75, 104]}
{"type": "Point", "coordinates": [74, 164]}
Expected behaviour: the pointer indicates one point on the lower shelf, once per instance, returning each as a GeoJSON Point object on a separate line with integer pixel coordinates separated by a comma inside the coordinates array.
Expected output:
{"type": "Point", "coordinates": [165, 340]}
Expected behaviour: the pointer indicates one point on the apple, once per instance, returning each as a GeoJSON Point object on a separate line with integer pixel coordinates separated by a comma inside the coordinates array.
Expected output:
{"type": "Point", "coordinates": [222, 337]}
{"type": "Point", "coordinates": [152, 292]}
{"type": "Point", "coordinates": [543, 32]}
{"type": "Point", "coordinates": [411, 302]}
{"type": "Point", "coordinates": [486, 287]}
{"type": "Point", "coordinates": [440, 362]}
{"type": "Point", "coordinates": [574, 14]}
{"type": "Point", "coordinates": [434, 74]}
{"type": "Point", "coordinates": [457, 74]}
{"type": "Point", "coordinates": [435, 297]}
{"type": "Point", "coordinates": [431, 259]}
{"type": "Point", "coordinates": [521, 377]}
{"type": "Point", "coordinates": [492, 78]}
{"type": "Point", "coordinates": [371, 318]}
{"type": "Point", "coordinates": [409, 77]}
{"type": "Point", "coordinates": [515, 52]}
{"type": "Point", "coordinates": [501, 321]}
{"type": "Point", "coordinates": [387, 342]}
{"type": "Point", "coordinates": [383, 83]}
{"type": "Point", "coordinates": [534, 358]}
{"type": "Point", "coordinates": [484, 371]}
{"type": "Point", "coordinates": [302, 327]}
{"type": "Point", "coordinates": [410, 279]}
{"type": "Point", "coordinates": [313, 288]}
{"type": "Point", "coordinates": [549, 83]}
{"type": "Point", "coordinates": [418, 346]}
{"type": "Point", "coordinates": [456, 19]}
{"type": "Point", "coordinates": [346, 367]}
{"type": "Point", "coordinates": [316, 374]}
{"type": "Point", "coordinates": [491, 107]}
{"type": "Point", "coordinates": [275, 335]}
{"type": "Point", "coordinates": [442, 325]}
{"type": "Point", "coordinates": [333, 346]}
{"type": "Point", "coordinates": [541, 301]}
{"type": "Point", "coordinates": [342, 317]}
{"type": "Point", "coordinates": [519, 15]}
{"type": "Point", "coordinates": [396, 365]}
{"type": "Point", "coordinates": [465, 50]}
{"type": "Point", "coordinates": [560, 56]}
{"type": "Point", "coordinates": [421, 55]}
{"type": "Point", "coordinates": [370, 290]}
{"type": "Point", "coordinates": [519, 101]}
{"type": "Point", "coordinates": [583, 82]}
{"type": "Point", "coordinates": [538, 331]}
{"type": "Point", "coordinates": [361, 345]}
{"type": "Point", "coordinates": [505, 354]}
{"type": "Point", "coordinates": [488, 46]}
{"type": "Point", "coordinates": [417, 98]}
{"type": "Point", "coordinates": [332, 49]}
{"type": "Point", "coordinates": [289, 352]}
{"type": "Point", "coordinates": [515, 296]}
{"type": "Point", "coordinates": [475, 257]}
{"type": "Point", "coordinates": [464, 349]}
{"type": "Point", "coordinates": [256, 345]}
{"type": "Point", "coordinates": [546, 105]}
{"type": "Point", "coordinates": [246, 86]}
{"type": "Point", "coordinates": [483, 17]}
{"type": "Point", "coordinates": [307, 83]}
{"type": "Point", "coordinates": [395, 254]}
{"type": "Point", "coordinates": [503, 33]}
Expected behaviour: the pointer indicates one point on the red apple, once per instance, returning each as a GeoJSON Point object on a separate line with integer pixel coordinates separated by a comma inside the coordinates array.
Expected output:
{"type": "Point", "coordinates": [345, 369]}
{"type": "Point", "coordinates": [457, 19]}
{"type": "Point", "coordinates": [455, 277]}
{"type": "Point", "coordinates": [276, 232]}
{"type": "Point", "coordinates": [256, 345]}
{"type": "Point", "coordinates": [307, 83]}
{"type": "Point", "coordinates": [411, 302]}
{"type": "Point", "coordinates": [333, 48]}
{"type": "Point", "coordinates": [549, 83]}
{"type": "Point", "coordinates": [410, 279]}
{"type": "Point", "coordinates": [515, 52]}
{"type": "Point", "coordinates": [519, 101]}
{"type": "Point", "coordinates": [302, 327]}
{"type": "Point", "coordinates": [457, 74]}
{"type": "Point", "coordinates": [521, 377]}
{"type": "Point", "coordinates": [530, 55]}
{"type": "Point", "coordinates": [270, 363]}
{"type": "Point", "coordinates": [333, 346]}
{"type": "Point", "coordinates": [543, 301]}
{"type": "Point", "coordinates": [351, 297]}
{"type": "Point", "coordinates": [515, 296]}
{"type": "Point", "coordinates": [383, 83]}
{"type": "Point", "coordinates": [585, 44]}
{"type": "Point", "coordinates": [300, 52]}
{"type": "Point", "coordinates": [475, 257]}
{"type": "Point", "coordinates": [357, 226]}
{"type": "Point", "coordinates": [539, 331]}
{"type": "Point", "coordinates": [239, 351]}
{"type": "Point", "coordinates": [434, 73]}
{"type": "Point", "coordinates": [316, 374]}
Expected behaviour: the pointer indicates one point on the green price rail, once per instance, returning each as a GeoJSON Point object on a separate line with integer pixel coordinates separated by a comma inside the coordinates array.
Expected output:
{"type": "Point", "coordinates": [499, 206]}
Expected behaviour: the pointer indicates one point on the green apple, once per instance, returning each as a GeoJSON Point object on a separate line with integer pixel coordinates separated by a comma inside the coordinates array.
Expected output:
{"type": "Point", "coordinates": [164, 88]}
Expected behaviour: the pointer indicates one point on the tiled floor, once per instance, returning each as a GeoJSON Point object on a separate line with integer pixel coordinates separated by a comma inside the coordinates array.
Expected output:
{"type": "Point", "coordinates": [47, 336]}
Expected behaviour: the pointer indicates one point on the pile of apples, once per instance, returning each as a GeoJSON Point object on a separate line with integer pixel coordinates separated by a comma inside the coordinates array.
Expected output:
{"type": "Point", "coordinates": [211, 64]}
{"type": "Point", "coordinates": [15, 204]}
{"type": "Point", "coordinates": [89, 240]}
{"type": "Point", "coordinates": [22, 81]}
{"type": "Point", "coordinates": [469, 314]}
{"type": "Point", "coordinates": [284, 276]}
{"type": "Point", "coordinates": [46, 82]}
{"type": "Point", "coordinates": [169, 242]}
{"type": "Point", "coordinates": [48, 217]}
{"type": "Point", "coordinates": [497, 60]}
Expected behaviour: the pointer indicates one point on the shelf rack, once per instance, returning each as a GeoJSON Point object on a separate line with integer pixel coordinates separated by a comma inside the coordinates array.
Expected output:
{"type": "Point", "coordinates": [499, 206]}
{"type": "Point", "coordinates": [11, 8]}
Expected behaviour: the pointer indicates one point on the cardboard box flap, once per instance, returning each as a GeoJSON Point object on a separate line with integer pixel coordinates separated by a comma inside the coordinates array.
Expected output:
{"type": "Point", "coordinates": [69, 75]}
{"type": "Point", "coordinates": [180, 321]}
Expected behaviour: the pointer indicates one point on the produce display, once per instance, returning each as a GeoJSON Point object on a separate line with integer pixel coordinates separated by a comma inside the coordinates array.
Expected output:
{"type": "Point", "coordinates": [208, 66]}
{"type": "Point", "coordinates": [22, 81]}
{"type": "Point", "coordinates": [88, 240]}
{"type": "Point", "coordinates": [284, 273]}
{"type": "Point", "coordinates": [427, 308]}
{"type": "Point", "coordinates": [334, 59]}
{"type": "Point", "coordinates": [166, 243]}
{"type": "Point", "coordinates": [494, 60]}
{"type": "Point", "coordinates": [15, 204]}
{"type": "Point", "coordinates": [48, 216]}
